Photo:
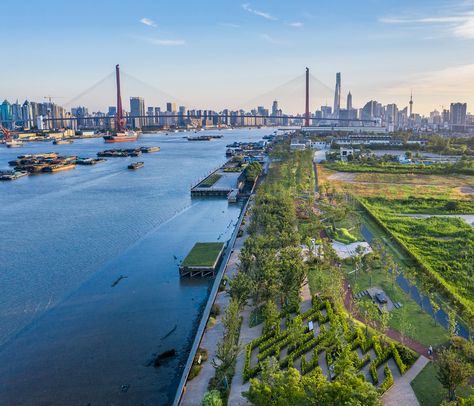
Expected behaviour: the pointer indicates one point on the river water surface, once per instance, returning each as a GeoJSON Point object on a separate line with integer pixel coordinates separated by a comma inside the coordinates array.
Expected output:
{"type": "Point", "coordinates": [71, 330]}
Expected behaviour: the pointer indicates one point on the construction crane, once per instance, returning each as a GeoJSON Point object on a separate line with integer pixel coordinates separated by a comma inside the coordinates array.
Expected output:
{"type": "Point", "coordinates": [50, 98]}
{"type": "Point", "coordinates": [7, 135]}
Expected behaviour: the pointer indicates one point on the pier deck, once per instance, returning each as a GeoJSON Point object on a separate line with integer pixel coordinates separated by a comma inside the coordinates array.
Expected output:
{"type": "Point", "coordinates": [202, 260]}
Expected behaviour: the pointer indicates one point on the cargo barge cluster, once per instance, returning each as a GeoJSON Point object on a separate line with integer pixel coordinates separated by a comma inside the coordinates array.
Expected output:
{"type": "Point", "coordinates": [48, 162]}
{"type": "Point", "coordinates": [203, 137]}
{"type": "Point", "coordinates": [118, 153]}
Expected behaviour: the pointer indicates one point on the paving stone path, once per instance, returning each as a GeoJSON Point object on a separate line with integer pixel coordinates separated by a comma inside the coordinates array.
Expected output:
{"type": "Point", "coordinates": [401, 393]}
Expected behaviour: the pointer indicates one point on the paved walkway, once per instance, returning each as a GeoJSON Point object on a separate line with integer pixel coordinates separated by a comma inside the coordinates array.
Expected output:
{"type": "Point", "coordinates": [196, 388]}
{"type": "Point", "coordinates": [401, 393]}
{"type": "Point", "coordinates": [247, 334]}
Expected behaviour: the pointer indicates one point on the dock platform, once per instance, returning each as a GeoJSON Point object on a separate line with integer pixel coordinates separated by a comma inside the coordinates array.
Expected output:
{"type": "Point", "coordinates": [203, 260]}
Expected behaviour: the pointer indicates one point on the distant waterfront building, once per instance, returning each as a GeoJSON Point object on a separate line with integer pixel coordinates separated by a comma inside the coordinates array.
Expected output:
{"type": "Point", "coordinates": [27, 114]}
{"type": "Point", "coordinates": [6, 114]}
{"type": "Point", "coordinates": [457, 115]}
{"type": "Point", "coordinates": [391, 117]}
{"type": "Point", "coordinates": [137, 108]}
{"type": "Point", "coordinates": [326, 111]}
{"type": "Point", "coordinates": [349, 101]}
{"type": "Point", "coordinates": [337, 95]}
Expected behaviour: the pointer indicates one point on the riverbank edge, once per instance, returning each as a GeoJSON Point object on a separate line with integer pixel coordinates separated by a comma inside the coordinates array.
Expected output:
{"type": "Point", "coordinates": [207, 310]}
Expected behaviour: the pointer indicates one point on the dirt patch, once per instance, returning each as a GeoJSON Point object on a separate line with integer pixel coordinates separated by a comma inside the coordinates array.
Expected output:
{"type": "Point", "coordinates": [344, 176]}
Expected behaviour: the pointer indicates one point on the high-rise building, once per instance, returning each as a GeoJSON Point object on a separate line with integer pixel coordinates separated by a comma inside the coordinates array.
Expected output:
{"type": "Point", "coordinates": [6, 114]}
{"type": "Point", "coordinates": [326, 111]}
{"type": "Point", "coordinates": [137, 108]}
{"type": "Point", "coordinates": [171, 107]}
{"type": "Point", "coordinates": [391, 116]}
{"type": "Point", "coordinates": [181, 116]}
{"type": "Point", "coordinates": [337, 95]}
{"type": "Point", "coordinates": [457, 116]}
{"type": "Point", "coordinates": [411, 105]}
{"type": "Point", "coordinates": [349, 101]}
{"type": "Point", "coordinates": [27, 114]}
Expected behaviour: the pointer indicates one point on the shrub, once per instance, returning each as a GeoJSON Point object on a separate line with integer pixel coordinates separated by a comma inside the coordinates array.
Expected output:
{"type": "Point", "coordinates": [195, 370]}
{"type": "Point", "coordinates": [400, 364]}
{"type": "Point", "coordinates": [215, 310]}
{"type": "Point", "coordinates": [373, 371]}
{"type": "Point", "coordinates": [388, 381]}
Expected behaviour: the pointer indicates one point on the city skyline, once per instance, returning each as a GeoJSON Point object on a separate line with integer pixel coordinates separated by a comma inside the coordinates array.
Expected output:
{"type": "Point", "coordinates": [244, 49]}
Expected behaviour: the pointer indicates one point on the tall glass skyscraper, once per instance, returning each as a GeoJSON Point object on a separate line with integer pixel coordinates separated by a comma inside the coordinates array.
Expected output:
{"type": "Point", "coordinates": [337, 95]}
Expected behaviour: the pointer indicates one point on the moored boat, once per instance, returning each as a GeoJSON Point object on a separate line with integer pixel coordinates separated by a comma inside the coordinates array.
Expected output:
{"type": "Point", "coordinates": [12, 175]}
{"type": "Point", "coordinates": [127, 136]}
{"type": "Point", "coordinates": [14, 144]}
{"type": "Point", "coordinates": [62, 142]}
{"type": "Point", "coordinates": [59, 168]}
{"type": "Point", "coordinates": [136, 165]}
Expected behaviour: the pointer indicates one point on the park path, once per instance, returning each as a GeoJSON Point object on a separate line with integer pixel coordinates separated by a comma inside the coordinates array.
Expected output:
{"type": "Point", "coordinates": [197, 387]}
{"type": "Point", "coordinates": [247, 334]}
{"type": "Point", "coordinates": [401, 393]}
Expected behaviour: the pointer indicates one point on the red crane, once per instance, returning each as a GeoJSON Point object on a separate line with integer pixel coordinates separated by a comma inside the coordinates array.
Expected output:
{"type": "Point", "coordinates": [7, 135]}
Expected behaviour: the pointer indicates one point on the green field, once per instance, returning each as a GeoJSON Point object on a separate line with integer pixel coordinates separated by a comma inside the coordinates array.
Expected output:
{"type": "Point", "coordinates": [203, 254]}
{"type": "Point", "coordinates": [442, 246]}
{"type": "Point", "coordinates": [428, 389]}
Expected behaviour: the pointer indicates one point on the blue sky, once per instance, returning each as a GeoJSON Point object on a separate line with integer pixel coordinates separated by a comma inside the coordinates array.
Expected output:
{"type": "Point", "coordinates": [215, 53]}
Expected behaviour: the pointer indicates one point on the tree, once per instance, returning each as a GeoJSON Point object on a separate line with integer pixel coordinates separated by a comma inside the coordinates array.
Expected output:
{"type": "Point", "coordinates": [451, 371]}
{"type": "Point", "coordinates": [452, 324]}
{"type": "Point", "coordinates": [271, 316]}
{"type": "Point", "coordinates": [435, 306]}
{"type": "Point", "coordinates": [384, 319]}
{"type": "Point", "coordinates": [240, 288]}
{"type": "Point", "coordinates": [370, 311]}
{"type": "Point", "coordinates": [276, 388]}
{"type": "Point", "coordinates": [212, 398]}
{"type": "Point", "coordinates": [291, 274]}
{"type": "Point", "coordinates": [406, 326]}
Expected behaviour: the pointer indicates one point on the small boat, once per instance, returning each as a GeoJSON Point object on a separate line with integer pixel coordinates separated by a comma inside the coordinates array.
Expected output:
{"type": "Point", "coordinates": [200, 138]}
{"type": "Point", "coordinates": [149, 149]}
{"type": "Point", "coordinates": [12, 175]}
{"type": "Point", "coordinates": [62, 142]}
{"type": "Point", "coordinates": [136, 165]}
{"type": "Point", "coordinates": [13, 144]}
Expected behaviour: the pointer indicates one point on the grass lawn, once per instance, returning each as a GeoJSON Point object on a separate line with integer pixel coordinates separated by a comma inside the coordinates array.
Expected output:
{"type": "Point", "coordinates": [203, 254]}
{"type": "Point", "coordinates": [429, 391]}
{"type": "Point", "coordinates": [210, 180]}
{"type": "Point", "coordinates": [425, 331]}
{"type": "Point", "coordinates": [397, 186]}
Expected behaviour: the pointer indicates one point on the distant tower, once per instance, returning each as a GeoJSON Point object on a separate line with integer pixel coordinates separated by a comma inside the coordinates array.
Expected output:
{"type": "Point", "coordinates": [411, 105]}
{"type": "Point", "coordinates": [349, 101]}
{"type": "Point", "coordinates": [337, 95]}
{"type": "Point", "coordinates": [306, 114]}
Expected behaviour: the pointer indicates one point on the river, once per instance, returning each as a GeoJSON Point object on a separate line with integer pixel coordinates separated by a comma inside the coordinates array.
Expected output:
{"type": "Point", "coordinates": [68, 333]}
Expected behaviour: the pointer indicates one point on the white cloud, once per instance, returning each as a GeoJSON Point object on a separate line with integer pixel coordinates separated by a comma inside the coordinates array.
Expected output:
{"type": "Point", "coordinates": [461, 26]}
{"type": "Point", "coordinates": [149, 22]}
{"type": "Point", "coordinates": [230, 25]}
{"type": "Point", "coordinates": [162, 42]}
{"type": "Point", "coordinates": [268, 16]}
{"type": "Point", "coordinates": [456, 81]}
{"type": "Point", "coordinates": [296, 24]}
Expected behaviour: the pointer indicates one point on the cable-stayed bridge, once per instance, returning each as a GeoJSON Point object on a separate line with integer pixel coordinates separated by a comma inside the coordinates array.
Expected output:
{"type": "Point", "coordinates": [305, 91]}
